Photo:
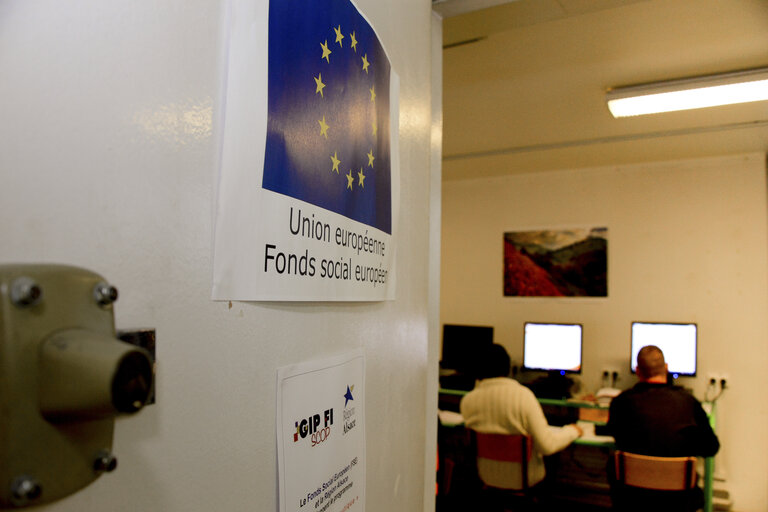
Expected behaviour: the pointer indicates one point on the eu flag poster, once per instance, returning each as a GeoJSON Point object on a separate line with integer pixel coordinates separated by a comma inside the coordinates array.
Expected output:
{"type": "Point", "coordinates": [307, 194]}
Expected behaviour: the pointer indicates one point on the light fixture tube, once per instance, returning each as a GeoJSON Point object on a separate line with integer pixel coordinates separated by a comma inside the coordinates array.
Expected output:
{"type": "Point", "coordinates": [689, 93]}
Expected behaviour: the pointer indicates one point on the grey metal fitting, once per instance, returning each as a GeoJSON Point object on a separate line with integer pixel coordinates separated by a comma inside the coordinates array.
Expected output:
{"type": "Point", "coordinates": [25, 490]}
{"type": "Point", "coordinates": [25, 292]}
{"type": "Point", "coordinates": [104, 294]}
{"type": "Point", "coordinates": [105, 462]}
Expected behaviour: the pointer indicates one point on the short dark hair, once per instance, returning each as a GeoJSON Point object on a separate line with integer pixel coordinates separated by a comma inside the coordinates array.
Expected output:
{"type": "Point", "coordinates": [494, 362]}
{"type": "Point", "coordinates": [650, 362]}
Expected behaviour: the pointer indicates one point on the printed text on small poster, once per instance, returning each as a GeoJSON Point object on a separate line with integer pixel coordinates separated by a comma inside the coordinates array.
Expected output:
{"type": "Point", "coordinates": [321, 435]}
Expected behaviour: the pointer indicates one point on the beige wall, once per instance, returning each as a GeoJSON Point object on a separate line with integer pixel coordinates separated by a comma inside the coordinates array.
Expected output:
{"type": "Point", "coordinates": [688, 241]}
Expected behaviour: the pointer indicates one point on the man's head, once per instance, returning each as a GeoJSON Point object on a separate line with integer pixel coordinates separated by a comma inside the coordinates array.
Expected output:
{"type": "Point", "coordinates": [494, 362]}
{"type": "Point", "coordinates": [651, 366]}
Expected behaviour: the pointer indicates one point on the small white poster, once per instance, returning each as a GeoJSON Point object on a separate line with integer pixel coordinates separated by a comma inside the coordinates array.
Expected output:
{"type": "Point", "coordinates": [321, 435]}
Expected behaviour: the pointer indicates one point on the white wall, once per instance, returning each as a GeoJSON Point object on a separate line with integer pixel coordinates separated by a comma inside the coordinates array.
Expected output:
{"type": "Point", "coordinates": [108, 152]}
{"type": "Point", "coordinates": [688, 241]}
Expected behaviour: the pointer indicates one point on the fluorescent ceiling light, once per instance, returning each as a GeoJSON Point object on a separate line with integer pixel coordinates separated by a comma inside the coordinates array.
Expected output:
{"type": "Point", "coordinates": [689, 93]}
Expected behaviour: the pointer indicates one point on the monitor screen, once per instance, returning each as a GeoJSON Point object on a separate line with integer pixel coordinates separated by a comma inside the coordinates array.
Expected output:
{"type": "Point", "coordinates": [676, 341]}
{"type": "Point", "coordinates": [462, 344]}
{"type": "Point", "coordinates": [552, 347]}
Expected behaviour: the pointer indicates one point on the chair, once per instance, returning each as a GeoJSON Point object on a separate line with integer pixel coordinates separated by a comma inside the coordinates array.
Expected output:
{"type": "Point", "coordinates": [508, 480]}
{"type": "Point", "coordinates": [644, 482]}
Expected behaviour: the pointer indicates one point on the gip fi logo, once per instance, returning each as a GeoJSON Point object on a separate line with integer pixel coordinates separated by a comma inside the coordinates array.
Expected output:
{"type": "Point", "coordinates": [311, 427]}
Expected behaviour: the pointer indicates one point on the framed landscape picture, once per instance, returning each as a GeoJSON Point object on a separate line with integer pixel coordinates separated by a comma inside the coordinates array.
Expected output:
{"type": "Point", "coordinates": [556, 263]}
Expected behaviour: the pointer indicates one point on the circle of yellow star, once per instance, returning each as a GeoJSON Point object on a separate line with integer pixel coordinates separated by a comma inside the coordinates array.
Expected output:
{"type": "Point", "coordinates": [365, 63]}
{"type": "Point", "coordinates": [320, 84]}
{"type": "Point", "coordinates": [361, 178]}
{"type": "Point", "coordinates": [354, 41]}
{"type": "Point", "coordinates": [350, 180]}
{"type": "Point", "coordinates": [323, 127]}
{"type": "Point", "coordinates": [326, 51]}
{"type": "Point", "coordinates": [335, 160]}
{"type": "Point", "coordinates": [373, 93]}
{"type": "Point", "coordinates": [339, 35]}
{"type": "Point", "coordinates": [370, 158]}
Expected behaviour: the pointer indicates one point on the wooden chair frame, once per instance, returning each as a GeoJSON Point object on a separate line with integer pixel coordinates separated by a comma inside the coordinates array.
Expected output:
{"type": "Point", "coordinates": [657, 473]}
{"type": "Point", "coordinates": [515, 448]}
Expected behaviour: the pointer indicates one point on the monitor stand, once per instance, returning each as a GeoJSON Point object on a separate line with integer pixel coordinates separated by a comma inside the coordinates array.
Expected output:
{"type": "Point", "coordinates": [554, 385]}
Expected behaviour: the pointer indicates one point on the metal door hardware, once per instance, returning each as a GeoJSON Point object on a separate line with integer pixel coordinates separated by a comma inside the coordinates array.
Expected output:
{"type": "Point", "coordinates": [64, 377]}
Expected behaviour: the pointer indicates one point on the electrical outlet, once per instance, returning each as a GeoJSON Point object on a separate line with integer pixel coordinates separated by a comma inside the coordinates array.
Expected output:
{"type": "Point", "coordinates": [605, 378]}
{"type": "Point", "coordinates": [609, 376]}
{"type": "Point", "coordinates": [719, 381]}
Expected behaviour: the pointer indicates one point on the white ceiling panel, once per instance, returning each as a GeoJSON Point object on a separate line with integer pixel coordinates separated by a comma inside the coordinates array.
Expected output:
{"type": "Point", "coordinates": [529, 94]}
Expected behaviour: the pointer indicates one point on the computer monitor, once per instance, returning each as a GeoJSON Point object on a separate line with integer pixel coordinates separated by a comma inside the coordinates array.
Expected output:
{"type": "Point", "coordinates": [462, 344]}
{"type": "Point", "coordinates": [676, 340]}
{"type": "Point", "coordinates": [552, 347]}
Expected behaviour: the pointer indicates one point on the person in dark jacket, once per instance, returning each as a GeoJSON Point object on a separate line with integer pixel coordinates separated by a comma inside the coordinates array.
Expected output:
{"type": "Point", "coordinates": [659, 419]}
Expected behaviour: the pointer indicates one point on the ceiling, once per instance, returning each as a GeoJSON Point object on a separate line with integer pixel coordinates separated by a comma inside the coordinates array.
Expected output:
{"type": "Point", "coordinates": [524, 81]}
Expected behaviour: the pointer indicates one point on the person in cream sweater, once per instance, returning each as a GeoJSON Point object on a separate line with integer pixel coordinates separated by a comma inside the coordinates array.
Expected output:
{"type": "Point", "coordinates": [500, 405]}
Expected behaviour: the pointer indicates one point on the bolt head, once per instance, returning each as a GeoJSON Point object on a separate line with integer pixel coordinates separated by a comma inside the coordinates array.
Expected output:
{"type": "Point", "coordinates": [25, 292]}
{"type": "Point", "coordinates": [104, 294]}
{"type": "Point", "coordinates": [105, 462]}
{"type": "Point", "coordinates": [24, 490]}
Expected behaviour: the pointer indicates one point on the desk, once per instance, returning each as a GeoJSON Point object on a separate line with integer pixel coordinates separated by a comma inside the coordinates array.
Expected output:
{"type": "Point", "coordinates": [597, 441]}
{"type": "Point", "coordinates": [602, 442]}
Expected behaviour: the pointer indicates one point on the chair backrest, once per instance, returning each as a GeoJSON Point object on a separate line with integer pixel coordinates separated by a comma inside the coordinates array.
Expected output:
{"type": "Point", "coordinates": [660, 473]}
{"type": "Point", "coordinates": [515, 448]}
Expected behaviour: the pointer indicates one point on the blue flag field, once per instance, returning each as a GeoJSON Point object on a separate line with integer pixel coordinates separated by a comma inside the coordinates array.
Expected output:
{"type": "Point", "coordinates": [328, 123]}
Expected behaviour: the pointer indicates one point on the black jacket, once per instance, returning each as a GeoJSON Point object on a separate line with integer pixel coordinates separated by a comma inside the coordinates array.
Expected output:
{"type": "Point", "coordinates": [661, 420]}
